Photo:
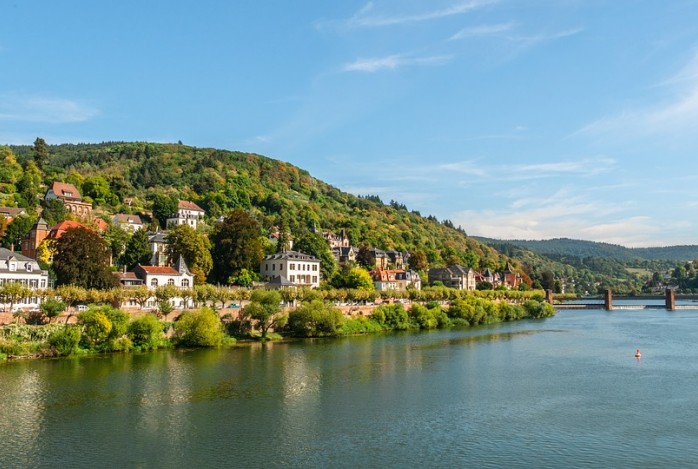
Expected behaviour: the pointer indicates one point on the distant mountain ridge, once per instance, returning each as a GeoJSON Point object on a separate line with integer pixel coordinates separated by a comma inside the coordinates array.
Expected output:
{"type": "Point", "coordinates": [582, 249]}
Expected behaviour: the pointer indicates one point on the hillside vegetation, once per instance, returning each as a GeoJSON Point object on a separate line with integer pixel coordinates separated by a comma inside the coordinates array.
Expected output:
{"type": "Point", "coordinates": [279, 194]}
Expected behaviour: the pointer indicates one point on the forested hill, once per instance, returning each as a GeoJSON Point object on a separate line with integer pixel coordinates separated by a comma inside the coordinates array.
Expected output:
{"type": "Point", "coordinates": [126, 177]}
{"type": "Point", "coordinates": [565, 247]}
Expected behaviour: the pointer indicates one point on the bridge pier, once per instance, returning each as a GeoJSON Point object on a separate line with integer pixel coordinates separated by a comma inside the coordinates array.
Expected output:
{"type": "Point", "coordinates": [670, 299]}
{"type": "Point", "coordinates": [608, 300]}
{"type": "Point", "coordinates": [549, 296]}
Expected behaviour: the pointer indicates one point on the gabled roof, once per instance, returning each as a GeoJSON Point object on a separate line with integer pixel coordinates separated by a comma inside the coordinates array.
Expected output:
{"type": "Point", "coordinates": [126, 218]}
{"type": "Point", "coordinates": [65, 189]}
{"type": "Point", "coordinates": [291, 255]}
{"type": "Point", "coordinates": [11, 212]}
{"type": "Point", "coordinates": [187, 205]}
{"type": "Point", "coordinates": [60, 228]}
{"type": "Point", "coordinates": [6, 254]}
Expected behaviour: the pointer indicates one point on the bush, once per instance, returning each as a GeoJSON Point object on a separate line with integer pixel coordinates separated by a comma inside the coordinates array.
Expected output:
{"type": "Point", "coordinates": [538, 309]}
{"type": "Point", "coordinates": [315, 319]}
{"type": "Point", "coordinates": [359, 325]}
{"type": "Point", "coordinates": [145, 332]}
{"type": "Point", "coordinates": [96, 328]}
{"type": "Point", "coordinates": [391, 317]}
{"type": "Point", "coordinates": [200, 328]}
{"type": "Point", "coordinates": [65, 341]}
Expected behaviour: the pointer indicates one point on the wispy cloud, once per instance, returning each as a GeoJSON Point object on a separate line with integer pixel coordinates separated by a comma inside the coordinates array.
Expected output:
{"type": "Point", "coordinates": [366, 17]}
{"type": "Point", "coordinates": [27, 108]}
{"type": "Point", "coordinates": [393, 62]}
{"type": "Point", "coordinates": [482, 30]}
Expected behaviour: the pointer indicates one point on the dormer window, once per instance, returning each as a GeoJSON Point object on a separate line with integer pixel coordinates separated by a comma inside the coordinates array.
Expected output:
{"type": "Point", "coordinates": [13, 266]}
{"type": "Point", "coordinates": [68, 194]}
{"type": "Point", "coordinates": [28, 267]}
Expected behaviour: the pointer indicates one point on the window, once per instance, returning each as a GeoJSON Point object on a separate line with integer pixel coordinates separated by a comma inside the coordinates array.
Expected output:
{"type": "Point", "coordinates": [13, 266]}
{"type": "Point", "coordinates": [185, 282]}
{"type": "Point", "coordinates": [266, 267]}
{"type": "Point", "coordinates": [273, 267]}
{"type": "Point", "coordinates": [29, 267]}
{"type": "Point", "coordinates": [314, 278]}
{"type": "Point", "coordinates": [315, 268]}
{"type": "Point", "coordinates": [281, 267]}
{"type": "Point", "coordinates": [292, 278]}
{"type": "Point", "coordinates": [154, 282]}
{"type": "Point", "coordinates": [292, 267]}
{"type": "Point", "coordinates": [170, 281]}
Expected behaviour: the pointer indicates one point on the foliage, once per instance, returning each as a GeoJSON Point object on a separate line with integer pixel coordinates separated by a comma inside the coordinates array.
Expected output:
{"type": "Point", "coordinates": [96, 328]}
{"type": "Point", "coordinates": [352, 277]}
{"type": "Point", "coordinates": [65, 340]}
{"type": "Point", "coordinates": [52, 308]}
{"type": "Point", "coordinates": [199, 328]}
{"type": "Point", "coordinates": [237, 246]}
{"type": "Point", "coordinates": [428, 317]}
{"type": "Point", "coordinates": [16, 230]}
{"type": "Point", "coordinates": [82, 259]}
{"type": "Point", "coordinates": [264, 311]}
{"type": "Point", "coordinates": [194, 247]}
{"type": "Point", "coordinates": [315, 319]}
{"type": "Point", "coordinates": [391, 316]}
{"type": "Point", "coordinates": [145, 332]}
{"type": "Point", "coordinates": [54, 211]}
{"type": "Point", "coordinates": [137, 250]}
{"type": "Point", "coordinates": [360, 325]}
{"type": "Point", "coordinates": [164, 207]}
{"type": "Point", "coordinates": [13, 292]}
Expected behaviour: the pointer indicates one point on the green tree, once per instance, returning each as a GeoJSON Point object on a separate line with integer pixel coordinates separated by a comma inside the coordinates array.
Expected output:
{"type": "Point", "coordinates": [237, 245]}
{"type": "Point", "coordinates": [65, 340]}
{"type": "Point", "coordinates": [40, 152]}
{"type": "Point", "coordinates": [315, 245]}
{"type": "Point", "coordinates": [30, 186]}
{"type": "Point", "coordinates": [13, 292]}
{"type": "Point", "coordinates": [199, 328]}
{"type": "Point", "coordinates": [315, 319]}
{"type": "Point", "coordinates": [265, 311]}
{"type": "Point", "coordinates": [194, 247]}
{"type": "Point", "coordinates": [146, 332]}
{"type": "Point", "coordinates": [117, 238]}
{"type": "Point", "coordinates": [137, 250]}
{"type": "Point", "coordinates": [418, 260]}
{"type": "Point", "coordinates": [82, 259]}
{"type": "Point", "coordinates": [16, 230]}
{"type": "Point", "coordinates": [97, 187]}
{"type": "Point", "coordinates": [352, 277]}
{"type": "Point", "coordinates": [10, 171]}
{"type": "Point", "coordinates": [52, 308]}
{"type": "Point", "coordinates": [164, 207]}
{"type": "Point", "coordinates": [54, 211]}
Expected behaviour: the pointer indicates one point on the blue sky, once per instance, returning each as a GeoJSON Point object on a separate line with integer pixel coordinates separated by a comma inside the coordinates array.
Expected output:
{"type": "Point", "coordinates": [515, 119]}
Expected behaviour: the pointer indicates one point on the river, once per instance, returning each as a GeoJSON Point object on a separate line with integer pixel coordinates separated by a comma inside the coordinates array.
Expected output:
{"type": "Point", "coordinates": [565, 391]}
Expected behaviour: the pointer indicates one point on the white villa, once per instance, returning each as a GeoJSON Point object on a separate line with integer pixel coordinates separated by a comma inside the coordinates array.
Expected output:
{"type": "Point", "coordinates": [16, 268]}
{"type": "Point", "coordinates": [301, 270]}
{"type": "Point", "coordinates": [188, 213]}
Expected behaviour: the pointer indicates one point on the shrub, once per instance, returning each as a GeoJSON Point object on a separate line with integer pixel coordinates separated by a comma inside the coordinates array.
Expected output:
{"type": "Point", "coordinates": [145, 332]}
{"type": "Point", "coordinates": [65, 340]}
{"type": "Point", "coordinates": [96, 328]}
{"type": "Point", "coordinates": [391, 317]}
{"type": "Point", "coordinates": [359, 325]}
{"type": "Point", "coordinates": [200, 328]}
{"type": "Point", "coordinates": [315, 319]}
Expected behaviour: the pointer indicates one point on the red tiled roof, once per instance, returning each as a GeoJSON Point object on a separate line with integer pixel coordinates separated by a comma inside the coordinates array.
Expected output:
{"type": "Point", "coordinates": [158, 270]}
{"type": "Point", "coordinates": [62, 189]}
{"type": "Point", "coordinates": [187, 205]}
{"type": "Point", "coordinates": [57, 231]}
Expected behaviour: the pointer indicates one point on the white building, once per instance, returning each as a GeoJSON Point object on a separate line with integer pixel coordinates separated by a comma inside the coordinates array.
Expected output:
{"type": "Point", "coordinates": [178, 276]}
{"type": "Point", "coordinates": [300, 269]}
{"type": "Point", "coordinates": [16, 268]}
{"type": "Point", "coordinates": [188, 213]}
{"type": "Point", "coordinates": [128, 222]}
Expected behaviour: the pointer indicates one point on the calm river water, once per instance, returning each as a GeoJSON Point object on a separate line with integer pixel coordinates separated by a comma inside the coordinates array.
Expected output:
{"type": "Point", "coordinates": [565, 391]}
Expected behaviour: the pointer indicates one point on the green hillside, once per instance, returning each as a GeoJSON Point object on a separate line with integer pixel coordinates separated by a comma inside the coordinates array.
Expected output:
{"type": "Point", "coordinates": [126, 177]}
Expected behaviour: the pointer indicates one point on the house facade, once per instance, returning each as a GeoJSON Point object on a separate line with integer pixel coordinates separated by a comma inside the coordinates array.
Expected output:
{"type": "Point", "coordinates": [395, 279]}
{"type": "Point", "coordinates": [158, 243]}
{"type": "Point", "coordinates": [71, 197]}
{"type": "Point", "coordinates": [302, 270]}
{"type": "Point", "coordinates": [454, 276]}
{"type": "Point", "coordinates": [33, 239]}
{"type": "Point", "coordinates": [16, 268]}
{"type": "Point", "coordinates": [131, 223]}
{"type": "Point", "coordinates": [188, 213]}
{"type": "Point", "coordinates": [11, 212]}
{"type": "Point", "coordinates": [153, 277]}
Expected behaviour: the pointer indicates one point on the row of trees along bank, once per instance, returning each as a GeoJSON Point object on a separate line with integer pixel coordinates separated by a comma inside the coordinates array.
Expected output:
{"type": "Point", "coordinates": [103, 328]}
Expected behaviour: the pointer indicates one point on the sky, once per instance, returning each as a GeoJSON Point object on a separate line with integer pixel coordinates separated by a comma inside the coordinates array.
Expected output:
{"type": "Point", "coordinates": [515, 119]}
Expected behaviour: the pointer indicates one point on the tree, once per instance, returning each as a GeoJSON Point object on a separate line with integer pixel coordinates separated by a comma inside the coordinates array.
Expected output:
{"type": "Point", "coordinates": [164, 207]}
{"type": "Point", "coordinates": [315, 245]}
{"type": "Point", "coordinates": [200, 328]}
{"type": "Point", "coordinates": [352, 277]}
{"type": "Point", "coordinates": [145, 332]}
{"type": "Point", "coordinates": [117, 238]}
{"type": "Point", "coordinates": [82, 259]}
{"type": "Point", "coordinates": [10, 170]}
{"type": "Point", "coordinates": [418, 260]}
{"type": "Point", "coordinates": [141, 295]}
{"type": "Point", "coordinates": [265, 311]}
{"type": "Point", "coordinates": [194, 247]}
{"type": "Point", "coordinates": [29, 186]}
{"type": "Point", "coordinates": [237, 245]}
{"type": "Point", "coordinates": [13, 292]}
{"type": "Point", "coordinates": [315, 319]}
{"type": "Point", "coordinates": [40, 152]}
{"type": "Point", "coordinates": [363, 257]}
{"type": "Point", "coordinates": [52, 308]}
{"type": "Point", "coordinates": [16, 230]}
{"type": "Point", "coordinates": [137, 250]}
{"type": "Point", "coordinates": [98, 188]}
{"type": "Point", "coordinates": [54, 211]}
